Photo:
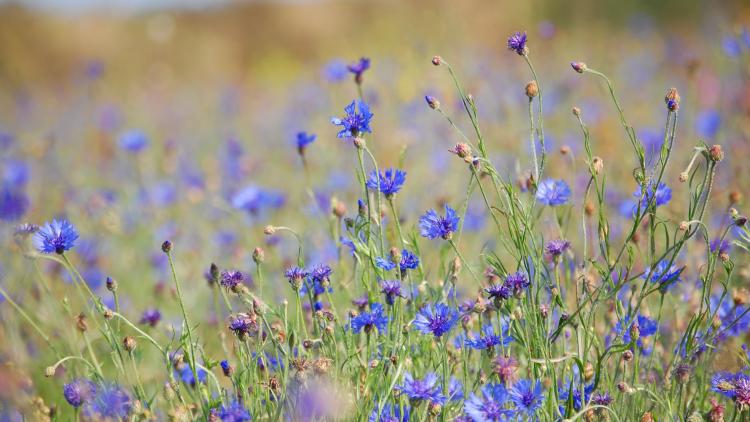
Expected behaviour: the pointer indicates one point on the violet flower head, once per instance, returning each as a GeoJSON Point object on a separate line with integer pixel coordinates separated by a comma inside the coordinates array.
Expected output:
{"type": "Point", "coordinates": [389, 183]}
{"type": "Point", "coordinates": [436, 319]}
{"type": "Point", "coordinates": [151, 317]}
{"type": "Point", "coordinates": [375, 319]}
{"type": "Point", "coordinates": [517, 43]}
{"type": "Point", "coordinates": [490, 406]}
{"type": "Point", "coordinates": [433, 226]}
{"type": "Point", "coordinates": [427, 389]}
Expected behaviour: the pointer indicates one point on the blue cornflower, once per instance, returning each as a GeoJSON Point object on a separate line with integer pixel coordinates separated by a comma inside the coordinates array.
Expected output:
{"type": "Point", "coordinates": [735, 386]}
{"type": "Point", "coordinates": [455, 390]}
{"type": "Point", "coordinates": [665, 276]}
{"type": "Point", "coordinates": [321, 273]}
{"type": "Point", "coordinates": [487, 340]}
{"type": "Point", "coordinates": [517, 43]}
{"type": "Point", "coordinates": [427, 389]}
{"type": "Point", "coordinates": [435, 319]}
{"type": "Point", "coordinates": [13, 203]}
{"type": "Point", "coordinates": [490, 406]}
{"type": "Point", "coordinates": [528, 397]}
{"type": "Point", "coordinates": [385, 263]}
{"type": "Point", "coordinates": [151, 317]}
{"type": "Point", "coordinates": [390, 182]}
{"type": "Point", "coordinates": [253, 199]}
{"type": "Point", "coordinates": [185, 374]}
{"type": "Point", "coordinates": [110, 402]}
{"type": "Point", "coordinates": [356, 121]}
{"type": "Point", "coordinates": [646, 327]}
{"type": "Point", "coordinates": [234, 412]}
{"type": "Point", "coordinates": [335, 70]}
{"type": "Point", "coordinates": [303, 140]}
{"type": "Point", "coordinates": [226, 367]}
{"type": "Point", "coordinates": [707, 123]}
{"type": "Point", "coordinates": [55, 237]}
{"type": "Point", "coordinates": [391, 289]}
{"type": "Point", "coordinates": [133, 141]}
{"type": "Point", "coordinates": [720, 246]}
{"type": "Point", "coordinates": [553, 192]}
{"type": "Point", "coordinates": [79, 391]}
{"type": "Point", "coordinates": [735, 321]}
{"type": "Point", "coordinates": [359, 68]}
{"type": "Point", "coordinates": [409, 261]}
{"type": "Point", "coordinates": [571, 392]}
{"type": "Point", "coordinates": [369, 320]}
{"type": "Point", "coordinates": [433, 226]}
{"type": "Point", "coordinates": [390, 413]}
{"type": "Point", "coordinates": [602, 399]}
{"type": "Point", "coordinates": [661, 197]}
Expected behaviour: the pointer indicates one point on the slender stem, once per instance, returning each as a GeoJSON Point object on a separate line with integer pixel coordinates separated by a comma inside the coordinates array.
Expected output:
{"type": "Point", "coordinates": [466, 264]}
{"type": "Point", "coordinates": [191, 345]}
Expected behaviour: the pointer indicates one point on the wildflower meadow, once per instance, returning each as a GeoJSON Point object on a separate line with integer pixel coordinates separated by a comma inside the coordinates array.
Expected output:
{"type": "Point", "coordinates": [511, 231]}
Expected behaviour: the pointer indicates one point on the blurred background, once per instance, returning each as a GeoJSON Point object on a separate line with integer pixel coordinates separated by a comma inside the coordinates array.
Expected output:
{"type": "Point", "coordinates": [219, 89]}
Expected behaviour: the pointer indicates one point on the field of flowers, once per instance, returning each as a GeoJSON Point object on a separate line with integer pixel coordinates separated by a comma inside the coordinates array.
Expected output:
{"type": "Point", "coordinates": [506, 230]}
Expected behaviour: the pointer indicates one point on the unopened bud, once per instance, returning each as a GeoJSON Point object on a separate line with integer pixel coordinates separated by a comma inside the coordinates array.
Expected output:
{"type": "Point", "coordinates": [579, 67]}
{"type": "Point", "coordinates": [436, 60]}
{"type": "Point", "coordinates": [259, 255]}
{"type": "Point", "coordinates": [597, 164]}
{"type": "Point", "coordinates": [716, 153]}
{"type": "Point", "coordinates": [576, 111]}
{"type": "Point", "coordinates": [269, 230]}
{"type": "Point", "coordinates": [129, 343]}
{"type": "Point", "coordinates": [672, 99]}
{"type": "Point", "coordinates": [166, 247]}
{"type": "Point", "coordinates": [111, 284]}
{"type": "Point", "coordinates": [627, 355]}
{"type": "Point", "coordinates": [684, 176]}
{"type": "Point", "coordinates": [532, 89]}
{"type": "Point", "coordinates": [82, 323]}
{"type": "Point", "coordinates": [49, 371]}
{"type": "Point", "coordinates": [684, 225]}
{"type": "Point", "coordinates": [432, 102]}
{"type": "Point", "coordinates": [565, 150]}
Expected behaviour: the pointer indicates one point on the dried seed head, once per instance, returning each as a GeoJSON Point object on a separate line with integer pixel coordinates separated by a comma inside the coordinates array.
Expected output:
{"type": "Point", "coordinates": [735, 197]}
{"type": "Point", "coordinates": [49, 371]}
{"type": "Point", "coordinates": [108, 314]}
{"type": "Point", "coordinates": [532, 89]}
{"type": "Point", "coordinates": [597, 164]}
{"type": "Point", "coordinates": [684, 176]}
{"type": "Point", "coordinates": [589, 209]}
{"type": "Point", "coordinates": [129, 343]}
{"type": "Point", "coordinates": [82, 323]}
{"type": "Point", "coordinates": [647, 417]}
{"type": "Point", "coordinates": [716, 153]}
{"type": "Point", "coordinates": [740, 296]}
{"type": "Point", "coordinates": [588, 371]}
{"type": "Point", "coordinates": [627, 355]}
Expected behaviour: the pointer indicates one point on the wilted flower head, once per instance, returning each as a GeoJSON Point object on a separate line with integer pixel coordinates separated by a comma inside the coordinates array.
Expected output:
{"type": "Point", "coordinates": [433, 226]}
{"type": "Point", "coordinates": [355, 122]}
{"type": "Point", "coordinates": [57, 237]}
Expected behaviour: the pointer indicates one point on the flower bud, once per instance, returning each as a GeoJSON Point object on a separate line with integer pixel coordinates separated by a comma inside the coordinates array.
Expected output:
{"type": "Point", "coordinates": [129, 343]}
{"type": "Point", "coordinates": [627, 355]}
{"type": "Point", "coordinates": [684, 225]}
{"type": "Point", "coordinates": [532, 89]}
{"type": "Point", "coordinates": [269, 230]}
{"type": "Point", "coordinates": [436, 60]}
{"type": "Point", "coordinates": [111, 284]}
{"type": "Point", "coordinates": [166, 247]}
{"type": "Point", "coordinates": [432, 102]}
{"type": "Point", "coordinates": [579, 67]}
{"type": "Point", "coordinates": [684, 176]}
{"type": "Point", "coordinates": [647, 417]}
{"type": "Point", "coordinates": [565, 150]}
{"type": "Point", "coordinates": [597, 164]}
{"type": "Point", "coordinates": [49, 371]}
{"type": "Point", "coordinates": [259, 255]}
{"type": "Point", "coordinates": [672, 99]}
{"type": "Point", "coordinates": [576, 111]}
{"type": "Point", "coordinates": [359, 142]}
{"type": "Point", "coordinates": [82, 323]}
{"type": "Point", "coordinates": [338, 209]}
{"type": "Point", "coordinates": [735, 197]}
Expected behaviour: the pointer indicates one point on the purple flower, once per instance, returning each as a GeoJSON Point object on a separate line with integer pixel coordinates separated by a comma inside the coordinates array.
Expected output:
{"type": "Point", "coordinates": [661, 197]}
{"type": "Point", "coordinates": [391, 289]}
{"type": "Point", "coordinates": [355, 122]}
{"type": "Point", "coordinates": [79, 391]}
{"type": "Point", "coordinates": [517, 43]}
{"type": "Point", "coordinates": [296, 276]}
{"type": "Point", "coordinates": [556, 247]}
{"type": "Point", "coordinates": [151, 317]}
{"type": "Point", "coordinates": [427, 389]}
{"type": "Point", "coordinates": [359, 68]}
{"type": "Point", "coordinates": [517, 282]}
{"type": "Point", "coordinates": [13, 203]}
{"type": "Point", "coordinates": [663, 275]}
{"type": "Point", "coordinates": [433, 226]}
{"type": "Point", "coordinates": [553, 192]}
{"type": "Point", "coordinates": [499, 292]}
{"type": "Point", "coordinates": [231, 279]}
{"type": "Point", "coordinates": [369, 320]}
{"type": "Point", "coordinates": [243, 325]}
{"type": "Point", "coordinates": [110, 402]}
{"type": "Point", "coordinates": [435, 319]}
{"type": "Point", "coordinates": [390, 413]}
{"type": "Point", "coordinates": [488, 339]}
{"type": "Point", "coordinates": [55, 237]}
